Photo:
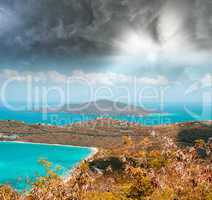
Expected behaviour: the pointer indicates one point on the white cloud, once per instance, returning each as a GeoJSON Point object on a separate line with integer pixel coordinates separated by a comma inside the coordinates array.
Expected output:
{"type": "Point", "coordinates": [52, 76]}
{"type": "Point", "coordinates": [108, 78]}
{"type": "Point", "coordinates": [159, 80]}
{"type": "Point", "coordinates": [12, 74]}
{"type": "Point", "coordinates": [101, 78]}
{"type": "Point", "coordinates": [173, 44]}
{"type": "Point", "coordinates": [56, 77]}
{"type": "Point", "coordinates": [8, 73]}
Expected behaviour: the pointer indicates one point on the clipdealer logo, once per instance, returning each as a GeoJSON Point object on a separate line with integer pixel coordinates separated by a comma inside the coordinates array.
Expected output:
{"type": "Point", "coordinates": [204, 90]}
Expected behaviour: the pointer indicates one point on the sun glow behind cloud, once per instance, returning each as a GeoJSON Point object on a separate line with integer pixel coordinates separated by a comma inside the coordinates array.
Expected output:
{"type": "Point", "coordinates": [138, 45]}
{"type": "Point", "coordinates": [170, 52]}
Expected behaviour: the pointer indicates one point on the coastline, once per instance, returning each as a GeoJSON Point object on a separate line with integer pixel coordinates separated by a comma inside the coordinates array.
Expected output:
{"type": "Point", "coordinates": [111, 136]}
{"type": "Point", "coordinates": [47, 144]}
{"type": "Point", "coordinates": [100, 140]}
{"type": "Point", "coordinates": [70, 173]}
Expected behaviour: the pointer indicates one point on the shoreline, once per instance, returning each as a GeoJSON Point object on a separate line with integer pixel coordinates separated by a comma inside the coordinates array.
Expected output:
{"type": "Point", "coordinates": [140, 121]}
{"type": "Point", "coordinates": [69, 174]}
{"type": "Point", "coordinates": [47, 144]}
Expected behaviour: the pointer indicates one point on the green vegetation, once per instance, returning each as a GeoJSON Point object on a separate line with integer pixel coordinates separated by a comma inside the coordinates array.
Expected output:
{"type": "Point", "coordinates": [189, 135]}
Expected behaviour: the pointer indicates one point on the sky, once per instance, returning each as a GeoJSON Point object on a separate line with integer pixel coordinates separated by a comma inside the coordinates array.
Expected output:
{"type": "Point", "coordinates": [106, 49]}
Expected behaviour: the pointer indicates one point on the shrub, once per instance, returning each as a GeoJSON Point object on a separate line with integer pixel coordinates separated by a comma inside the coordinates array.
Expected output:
{"type": "Point", "coordinates": [190, 135]}
{"type": "Point", "coordinates": [7, 193]}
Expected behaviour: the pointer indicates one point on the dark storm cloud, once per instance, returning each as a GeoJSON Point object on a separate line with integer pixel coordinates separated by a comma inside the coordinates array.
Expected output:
{"type": "Point", "coordinates": [32, 30]}
{"type": "Point", "coordinates": [73, 26]}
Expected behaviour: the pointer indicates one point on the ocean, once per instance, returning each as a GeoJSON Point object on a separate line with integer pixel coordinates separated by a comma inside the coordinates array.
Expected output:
{"type": "Point", "coordinates": [174, 113]}
{"type": "Point", "coordinates": [171, 113]}
{"type": "Point", "coordinates": [19, 164]}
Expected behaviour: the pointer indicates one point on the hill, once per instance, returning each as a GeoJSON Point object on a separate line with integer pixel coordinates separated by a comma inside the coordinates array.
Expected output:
{"type": "Point", "coordinates": [131, 163]}
{"type": "Point", "coordinates": [105, 107]}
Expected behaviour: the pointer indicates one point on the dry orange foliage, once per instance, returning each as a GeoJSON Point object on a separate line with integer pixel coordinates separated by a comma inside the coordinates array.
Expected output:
{"type": "Point", "coordinates": [168, 173]}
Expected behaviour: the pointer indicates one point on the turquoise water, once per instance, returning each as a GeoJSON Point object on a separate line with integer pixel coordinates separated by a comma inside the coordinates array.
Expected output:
{"type": "Point", "coordinates": [59, 119]}
{"type": "Point", "coordinates": [176, 113]}
{"type": "Point", "coordinates": [19, 161]}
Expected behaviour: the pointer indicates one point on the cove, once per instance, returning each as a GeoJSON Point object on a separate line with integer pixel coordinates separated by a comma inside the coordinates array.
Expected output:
{"type": "Point", "coordinates": [19, 164]}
